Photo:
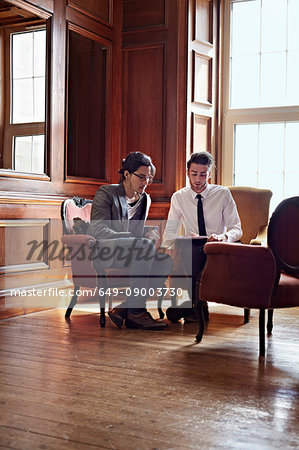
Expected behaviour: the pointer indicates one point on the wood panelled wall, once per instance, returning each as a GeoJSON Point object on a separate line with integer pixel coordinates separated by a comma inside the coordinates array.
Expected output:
{"type": "Point", "coordinates": [203, 77]}
{"type": "Point", "coordinates": [145, 110]}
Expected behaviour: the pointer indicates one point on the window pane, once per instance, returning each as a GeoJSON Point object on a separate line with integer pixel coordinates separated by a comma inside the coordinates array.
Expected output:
{"type": "Point", "coordinates": [291, 185]}
{"type": "Point", "coordinates": [277, 146]}
{"type": "Point", "coordinates": [274, 21]}
{"type": "Point", "coordinates": [29, 153]}
{"type": "Point", "coordinates": [22, 103]}
{"type": "Point", "coordinates": [245, 22]}
{"type": "Point", "coordinates": [292, 78]}
{"type": "Point", "coordinates": [40, 53]}
{"type": "Point", "coordinates": [293, 29]}
{"type": "Point", "coordinates": [22, 50]}
{"type": "Point", "coordinates": [39, 100]}
{"type": "Point", "coordinates": [246, 141]}
{"type": "Point", "coordinates": [22, 152]}
{"type": "Point", "coordinates": [38, 154]}
{"type": "Point", "coordinates": [271, 147]}
{"type": "Point", "coordinates": [274, 182]}
{"type": "Point", "coordinates": [28, 76]}
{"type": "Point", "coordinates": [245, 179]}
{"type": "Point", "coordinates": [245, 81]}
{"type": "Point", "coordinates": [292, 149]}
{"type": "Point", "coordinates": [264, 53]}
{"type": "Point", "coordinates": [273, 79]}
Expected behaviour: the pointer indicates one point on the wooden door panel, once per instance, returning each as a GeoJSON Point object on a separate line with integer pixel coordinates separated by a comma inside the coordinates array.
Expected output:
{"type": "Point", "coordinates": [202, 102]}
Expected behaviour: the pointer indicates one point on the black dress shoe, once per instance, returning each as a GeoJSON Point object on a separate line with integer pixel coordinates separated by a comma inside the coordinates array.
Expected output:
{"type": "Point", "coordinates": [144, 321]}
{"type": "Point", "coordinates": [191, 319]}
{"type": "Point", "coordinates": [187, 312]}
{"type": "Point", "coordinates": [117, 315]}
{"type": "Point", "coordinates": [175, 314]}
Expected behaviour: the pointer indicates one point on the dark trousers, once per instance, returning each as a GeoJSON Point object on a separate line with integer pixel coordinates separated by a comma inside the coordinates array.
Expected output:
{"type": "Point", "coordinates": [190, 260]}
{"type": "Point", "coordinates": [148, 268]}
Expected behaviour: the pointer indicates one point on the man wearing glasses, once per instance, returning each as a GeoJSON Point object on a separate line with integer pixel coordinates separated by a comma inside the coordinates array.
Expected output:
{"type": "Point", "coordinates": [118, 215]}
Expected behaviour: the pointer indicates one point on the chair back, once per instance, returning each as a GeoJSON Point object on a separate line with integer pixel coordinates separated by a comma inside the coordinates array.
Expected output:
{"type": "Point", "coordinates": [283, 235]}
{"type": "Point", "coordinates": [75, 208]}
{"type": "Point", "coordinates": [253, 208]}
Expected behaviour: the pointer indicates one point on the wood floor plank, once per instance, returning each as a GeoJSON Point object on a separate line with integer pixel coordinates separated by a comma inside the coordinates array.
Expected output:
{"type": "Point", "coordinates": [75, 385]}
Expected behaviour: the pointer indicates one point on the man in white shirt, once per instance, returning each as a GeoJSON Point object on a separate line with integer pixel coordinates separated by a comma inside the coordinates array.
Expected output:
{"type": "Point", "coordinates": [204, 210]}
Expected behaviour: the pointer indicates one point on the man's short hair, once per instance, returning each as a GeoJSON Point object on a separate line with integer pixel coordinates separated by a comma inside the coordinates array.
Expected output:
{"type": "Point", "coordinates": [204, 158]}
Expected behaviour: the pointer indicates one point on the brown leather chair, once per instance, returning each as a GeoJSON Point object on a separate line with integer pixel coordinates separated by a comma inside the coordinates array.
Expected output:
{"type": "Point", "coordinates": [253, 208]}
{"type": "Point", "coordinates": [258, 277]}
{"type": "Point", "coordinates": [75, 214]}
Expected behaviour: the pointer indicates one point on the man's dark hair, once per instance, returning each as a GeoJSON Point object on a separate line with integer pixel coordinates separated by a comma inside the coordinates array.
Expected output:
{"type": "Point", "coordinates": [204, 158]}
{"type": "Point", "coordinates": [133, 161]}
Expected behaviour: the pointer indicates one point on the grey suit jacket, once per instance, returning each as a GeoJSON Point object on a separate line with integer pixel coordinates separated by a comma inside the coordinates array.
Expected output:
{"type": "Point", "coordinates": [109, 214]}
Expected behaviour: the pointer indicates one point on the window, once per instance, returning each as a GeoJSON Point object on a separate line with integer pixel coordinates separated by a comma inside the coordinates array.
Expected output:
{"type": "Point", "coordinates": [24, 97]}
{"type": "Point", "coordinates": [261, 95]}
{"type": "Point", "coordinates": [28, 64]}
{"type": "Point", "coordinates": [27, 84]}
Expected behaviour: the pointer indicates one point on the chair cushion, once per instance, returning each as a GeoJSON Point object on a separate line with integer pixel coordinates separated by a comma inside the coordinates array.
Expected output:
{"type": "Point", "coordinates": [287, 293]}
{"type": "Point", "coordinates": [73, 211]}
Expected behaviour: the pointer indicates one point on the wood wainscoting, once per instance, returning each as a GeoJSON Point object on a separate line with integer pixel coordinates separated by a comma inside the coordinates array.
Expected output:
{"type": "Point", "coordinates": [31, 256]}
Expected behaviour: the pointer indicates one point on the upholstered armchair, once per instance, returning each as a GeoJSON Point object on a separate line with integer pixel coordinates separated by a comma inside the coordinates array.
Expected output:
{"type": "Point", "coordinates": [261, 277]}
{"type": "Point", "coordinates": [253, 208]}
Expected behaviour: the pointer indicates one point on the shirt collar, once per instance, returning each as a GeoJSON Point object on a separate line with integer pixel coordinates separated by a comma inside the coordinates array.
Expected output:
{"type": "Point", "coordinates": [204, 193]}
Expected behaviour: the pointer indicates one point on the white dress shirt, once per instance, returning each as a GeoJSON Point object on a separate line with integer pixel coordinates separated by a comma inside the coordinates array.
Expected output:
{"type": "Point", "coordinates": [219, 209]}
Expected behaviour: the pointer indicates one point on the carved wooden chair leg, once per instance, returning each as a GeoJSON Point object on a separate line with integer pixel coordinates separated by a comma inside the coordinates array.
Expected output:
{"type": "Point", "coordinates": [102, 286]}
{"type": "Point", "coordinates": [73, 302]}
{"type": "Point", "coordinates": [262, 332]}
{"type": "Point", "coordinates": [201, 322]}
{"type": "Point", "coordinates": [270, 322]}
{"type": "Point", "coordinates": [102, 299]}
{"type": "Point", "coordinates": [246, 315]}
{"type": "Point", "coordinates": [102, 316]}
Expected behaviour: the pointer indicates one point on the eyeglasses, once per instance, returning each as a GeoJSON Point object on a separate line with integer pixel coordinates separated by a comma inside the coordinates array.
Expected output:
{"type": "Point", "coordinates": [148, 179]}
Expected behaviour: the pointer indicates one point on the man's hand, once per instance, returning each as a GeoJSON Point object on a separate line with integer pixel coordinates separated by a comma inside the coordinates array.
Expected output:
{"type": "Point", "coordinates": [152, 233]}
{"type": "Point", "coordinates": [217, 238]}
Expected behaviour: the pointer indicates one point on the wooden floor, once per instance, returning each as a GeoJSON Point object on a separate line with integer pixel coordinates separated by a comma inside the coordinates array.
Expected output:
{"type": "Point", "coordinates": [77, 386]}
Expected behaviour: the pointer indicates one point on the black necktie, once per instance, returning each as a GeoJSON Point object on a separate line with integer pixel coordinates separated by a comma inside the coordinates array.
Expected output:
{"type": "Point", "coordinates": [200, 217]}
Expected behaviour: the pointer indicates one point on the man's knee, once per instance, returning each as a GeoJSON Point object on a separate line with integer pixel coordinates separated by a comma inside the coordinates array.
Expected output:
{"type": "Point", "coordinates": [163, 263]}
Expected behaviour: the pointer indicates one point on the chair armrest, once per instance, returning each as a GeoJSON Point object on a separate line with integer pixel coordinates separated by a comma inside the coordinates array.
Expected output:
{"type": "Point", "coordinates": [75, 240]}
{"type": "Point", "coordinates": [238, 275]}
{"type": "Point", "coordinates": [261, 237]}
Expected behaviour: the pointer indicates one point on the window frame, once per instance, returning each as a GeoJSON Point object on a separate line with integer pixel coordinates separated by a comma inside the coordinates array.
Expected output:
{"type": "Point", "coordinates": [235, 116]}
{"type": "Point", "coordinates": [11, 130]}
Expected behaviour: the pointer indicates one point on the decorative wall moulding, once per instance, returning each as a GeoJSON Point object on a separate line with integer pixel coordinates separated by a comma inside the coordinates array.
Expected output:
{"type": "Point", "coordinates": [144, 15]}
{"type": "Point", "coordinates": [43, 8]}
{"type": "Point", "coordinates": [99, 10]}
{"type": "Point", "coordinates": [32, 199]}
